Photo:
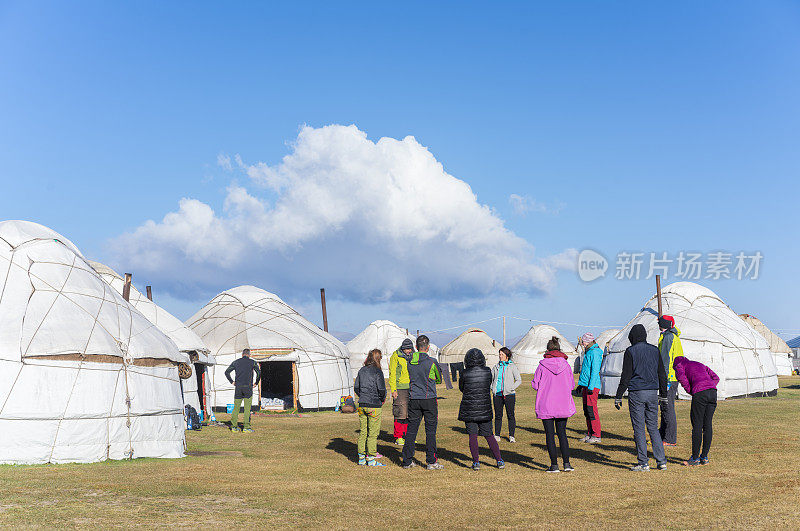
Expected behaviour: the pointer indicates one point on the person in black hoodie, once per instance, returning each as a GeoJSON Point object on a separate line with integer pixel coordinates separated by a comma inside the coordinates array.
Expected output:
{"type": "Point", "coordinates": [645, 379]}
{"type": "Point", "coordinates": [371, 390]}
{"type": "Point", "coordinates": [476, 405]}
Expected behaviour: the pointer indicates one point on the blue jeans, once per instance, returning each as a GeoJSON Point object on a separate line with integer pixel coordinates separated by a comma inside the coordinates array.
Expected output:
{"type": "Point", "coordinates": [643, 406]}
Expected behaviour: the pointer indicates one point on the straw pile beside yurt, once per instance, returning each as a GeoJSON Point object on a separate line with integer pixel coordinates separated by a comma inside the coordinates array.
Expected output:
{"type": "Point", "coordinates": [383, 335]}
{"type": "Point", "coordinates": [195, 387]}
{"type": "Point", "coordinates": [781, 353]}
{"type": "Point", "coordinates": [710, 333]}
{"type": "Point", "coordinates": [530, 349]}
{"type": "Point", "coordinates": [83, 375]}
{"type": "Point", "coordinates": [301, 365]}
{"type": "Point", "coordinates": [455, 351]}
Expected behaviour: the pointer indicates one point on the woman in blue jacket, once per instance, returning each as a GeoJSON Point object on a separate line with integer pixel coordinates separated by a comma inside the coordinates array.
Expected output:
{"type": "Point", "coordinates": [589, 384]}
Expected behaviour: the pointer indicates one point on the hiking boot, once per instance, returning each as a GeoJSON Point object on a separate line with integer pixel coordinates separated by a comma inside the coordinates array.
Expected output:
{"type": "Point", "coordinates": [512, 439]}
{"type": "Point", "coordinates": [362, 459]}
{"type": "Point", "coordinates": [586, 439]}
{"type": "Point", "coordinates": [640, 468]}
{"type": "Point", "coordinates": [568, 467]}
{"type": "Point", "coordinates": [662, 466]}
{"type": "Point", "coordinates": [692, 461]}
{"type": "Point", "coordinates": [400, 442]}
{"type": "Point", "coordinates": [476, 466]}
{"type": "Point", "coordinates": [594, 440]}
{"type": "Point", "coordinates": [412, 464]}
{"type": "Point", "coordinates": [373, 462]}
{"type": "Point", "coordinates": [553, 469]}
{"type": "Point", "coordinates": [703, 460]}
{"type": "Point", "coordinates": [247, 430]}
{"type": "Point", "coordinates": [236, 428]}
{"type": "Point", "coordinates": [501, 464]}
{"type": "Point", "coordinates": [435, 466]}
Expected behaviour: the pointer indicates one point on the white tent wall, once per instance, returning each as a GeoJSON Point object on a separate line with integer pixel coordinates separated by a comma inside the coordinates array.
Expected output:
{"type": "Point", "coordinates": [781, 353]}
{"type": "Point", "coordinates": [530, 349]}
{"type": "Point", "coordinates": [383, 335]}
{"type": "Point", "coordinates": [455, 351]}
{"type": "Point", "coordinates": [83, 376]}
{"type": "Point", "coordinates": [249, 317]}
{"type": "Point", "coordinates": [711, 333]}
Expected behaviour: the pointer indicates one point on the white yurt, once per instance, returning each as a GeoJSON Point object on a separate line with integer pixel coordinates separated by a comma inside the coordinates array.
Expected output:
{"type": "Point", "coordinates": [383, 335]}
{"type": "Point", "coordinates": [83, 375]}
{"type": "Point", "coordinates": [781, 353]}
{"type": "Point", "coordinates": [196, 386]}
{"type": "Point", "coordinates": [300, 364]}
{"type": "Point", "coordinates": [604, 337]}
{"type": "Point", "coordinates": [529, 350]}
{"type": "Point", "coordinates": [711, 333]}
{"type": "Point", "coordinates": [455, 351]}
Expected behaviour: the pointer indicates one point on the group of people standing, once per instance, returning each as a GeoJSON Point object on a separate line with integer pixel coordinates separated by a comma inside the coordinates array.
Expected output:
{"type": "Point", "coordinates": [650, 376]}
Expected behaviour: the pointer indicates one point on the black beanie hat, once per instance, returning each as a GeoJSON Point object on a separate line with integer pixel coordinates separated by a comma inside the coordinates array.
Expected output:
{"type": "Point", "coordinates": [638, 334]}
{"type": "Point", "coordinates": [407, 343]}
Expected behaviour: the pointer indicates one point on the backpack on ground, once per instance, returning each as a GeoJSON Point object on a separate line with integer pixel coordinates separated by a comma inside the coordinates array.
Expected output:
{"type": "Point", "coordinates": [348, 405]}
{"type": "Point", "coordinates": [192, 419]}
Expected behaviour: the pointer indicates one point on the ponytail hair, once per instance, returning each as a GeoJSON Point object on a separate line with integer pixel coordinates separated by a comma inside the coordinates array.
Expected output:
{"type": "Point", "coordinates": [554, 344]}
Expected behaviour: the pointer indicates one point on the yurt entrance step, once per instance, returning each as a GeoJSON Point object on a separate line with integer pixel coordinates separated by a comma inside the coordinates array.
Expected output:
{"type": "Point", "coordinates": [278, 386]}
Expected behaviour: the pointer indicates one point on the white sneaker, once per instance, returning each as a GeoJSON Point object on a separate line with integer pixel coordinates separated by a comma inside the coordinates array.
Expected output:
{"type": "Point", "coordinates": [586, 439]}
{"type": "Point", "coordinates": [594, 440]}
{"type": "Point", "coordinates": [512, 440]}
{"type": "Point", "coordinates": [497, 438]}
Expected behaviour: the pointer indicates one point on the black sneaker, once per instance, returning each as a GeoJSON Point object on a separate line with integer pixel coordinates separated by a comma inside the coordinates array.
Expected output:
{"type": "Point", "coordinates": [553, 469]}
{"type": "Point", "coordinates": [568, 468]}
{"type": "Point", "coordinates": [476, 466]}
{"type": "Point", "coordinates": [412, 464]}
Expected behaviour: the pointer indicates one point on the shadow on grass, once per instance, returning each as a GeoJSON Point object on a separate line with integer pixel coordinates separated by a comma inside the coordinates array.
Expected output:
{"type": "Point", "coordinates": [484, 451]}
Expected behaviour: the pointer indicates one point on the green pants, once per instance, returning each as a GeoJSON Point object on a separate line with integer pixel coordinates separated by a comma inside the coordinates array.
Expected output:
{"type": "Point", "coordinates": [370, 418]}
{"type": "Point", "coordinates": [248, 402]}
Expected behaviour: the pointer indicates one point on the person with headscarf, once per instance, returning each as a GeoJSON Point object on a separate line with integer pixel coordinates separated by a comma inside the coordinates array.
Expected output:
{"type": "Point", "coordinates": [505, 380]}
{"type": "Point", "coordinates": [589, 385]}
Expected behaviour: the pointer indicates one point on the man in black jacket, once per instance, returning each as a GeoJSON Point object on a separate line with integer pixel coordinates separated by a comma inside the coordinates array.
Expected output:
{"type": "Point", "coordinates": [243, 388]}
{"type": "Point", "coordinates": [424, 373]}
{"type": "Point", "coordinates": [645, 379]}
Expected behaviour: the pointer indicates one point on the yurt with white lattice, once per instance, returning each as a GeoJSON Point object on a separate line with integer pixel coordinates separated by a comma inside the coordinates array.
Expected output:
{"type": "Point", "coordinates": [530, 350]}
{"type": "Point", "coordinates": [84, 376]}
{"type": "Point", "coordinates": [383, 335]}
{"type": "Point", "coordinates": [781, 353]}
{"type": "Point", "coordinates": [301, 365]}
{"type": "Point", "coordinates": [710, 333]}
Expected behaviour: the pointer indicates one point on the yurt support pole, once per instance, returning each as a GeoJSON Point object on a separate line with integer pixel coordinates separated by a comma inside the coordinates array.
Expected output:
{"type": "Point", "coordinates": [294, 384]}
{"type": "Point", "coordinates": [149, 290]}
{"type": "Point", "coordinates": [658, 293]}
{"type": "Point", "coordinates": [324, 310]}
{"type": "Point", "coordinates": [126, 289]}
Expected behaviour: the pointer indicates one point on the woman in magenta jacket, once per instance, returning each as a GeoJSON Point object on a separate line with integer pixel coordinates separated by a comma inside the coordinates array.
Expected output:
{"type": "Point", "coordinates": [700, 382]}
{"type": "Point", "coordinates": [553, 382]}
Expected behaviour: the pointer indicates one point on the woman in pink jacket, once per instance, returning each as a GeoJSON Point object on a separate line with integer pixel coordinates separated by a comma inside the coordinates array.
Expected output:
{"type": "Point", "coordinates": [554, 383]}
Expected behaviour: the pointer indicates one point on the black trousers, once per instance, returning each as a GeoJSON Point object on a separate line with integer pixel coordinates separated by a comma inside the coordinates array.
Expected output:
{"type": "Point", "coordinates": [509, 401]}
{"type": "Point", "coordinates": [456, 369]}
{"type": "Point", "coordinates": [551, 427]}
{"type": "Point", "coordinates": [704, 404]}
{"type": "Point", "coordinates": [418, 409]}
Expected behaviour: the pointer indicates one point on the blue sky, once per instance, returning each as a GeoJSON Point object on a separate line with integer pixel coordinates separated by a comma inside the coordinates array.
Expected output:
{"type": "Point", "coordinates": [630, 126]}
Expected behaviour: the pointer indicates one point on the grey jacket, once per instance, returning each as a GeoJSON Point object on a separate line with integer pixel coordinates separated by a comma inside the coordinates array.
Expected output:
{"type": "Point", "coordinates": [511, 379]}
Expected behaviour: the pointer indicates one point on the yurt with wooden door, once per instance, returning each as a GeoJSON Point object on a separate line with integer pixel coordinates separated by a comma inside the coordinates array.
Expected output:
{"type": "Point", "coordinates": [197, 384]}
{"type": "Point", "coordinates": [455, 351]}
{"type": "Point", "coordinates": [84, 376]}
{"type": "Point", "coordinates": [781, 353]}
{"type": "Point", "coordinates": [530, 350]}
{"type": "Point", "coordinates": [710, 333]}
{"type": "Point", "coordinates": [383, 335]}
{"type": "Point", "coordinates": [301, 365]}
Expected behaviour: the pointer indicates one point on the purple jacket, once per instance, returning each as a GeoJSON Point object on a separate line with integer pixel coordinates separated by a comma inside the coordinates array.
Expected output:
{"type": "Point", "coordinates": [554, 383]}
{"type": "Point", "coordinates": [693, 375]}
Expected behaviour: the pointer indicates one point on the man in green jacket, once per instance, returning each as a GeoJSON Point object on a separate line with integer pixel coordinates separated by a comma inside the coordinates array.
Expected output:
{"type": "Point", "coordinates": [669, 344]}
{"type": "Point", "coordinates": [399, 384]}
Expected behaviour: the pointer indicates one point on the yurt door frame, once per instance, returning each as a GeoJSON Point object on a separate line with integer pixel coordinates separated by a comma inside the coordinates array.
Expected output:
{"type": "Point", "coordinates": [265, 356]}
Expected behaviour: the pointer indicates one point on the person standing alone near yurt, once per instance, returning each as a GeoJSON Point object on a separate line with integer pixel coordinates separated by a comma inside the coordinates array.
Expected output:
{"type": "Point", "coordinates": [506, 378]}
{"type": "Point", "coordinates": [424, 373]}
{"type": "Point", "coordinates": [371, 390]}
{"type": "Point", "coordinates": [589, 385]}
{"type": "Point", "coordinates": [475, 409]}
{"type": "Point", "coordinates": [669, 344]}
{"type": "Point", "coordinates": [399, 384]}
{"type": "Point", "coordinates": [243, 388]}
{"type": "Point", "coordinates": [645, 379]}
{"type": "Point", "coordinates": [553, 382]}
{"type": "Point", "coordinates": [700, 382]}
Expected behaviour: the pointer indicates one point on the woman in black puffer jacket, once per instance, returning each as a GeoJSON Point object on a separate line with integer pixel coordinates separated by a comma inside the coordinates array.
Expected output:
{"type": "Point", "coordinates": [476, 405]}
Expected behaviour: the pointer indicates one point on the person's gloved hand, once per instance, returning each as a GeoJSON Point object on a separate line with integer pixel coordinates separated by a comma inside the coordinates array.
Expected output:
{"type": "Point", "coordinates": [617, 403]}
{"type": "Point", "coordinates": [579, 389]}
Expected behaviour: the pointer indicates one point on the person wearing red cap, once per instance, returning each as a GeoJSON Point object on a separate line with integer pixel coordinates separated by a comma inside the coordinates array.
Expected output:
{"type": "Point", "coordinates": [669, 344]}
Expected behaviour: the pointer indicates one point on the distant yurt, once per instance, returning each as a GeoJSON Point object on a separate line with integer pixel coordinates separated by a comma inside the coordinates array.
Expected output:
{"type": "Point", "coordinates": [711, 333]}
{"type": "Point", "coordinates": [83, 375]}
{"type": "Point", "coordinates": [529, 350]}
{"type": "Point", "coordinates": [604, 337]}
{"type": "Point", "coordinates": [301, 365]}
{"type": "Point", "coordinates": [781, 353]}
{"type": "Point", "coordinates": [455, 351]}
{"type": "Point", "coordinates": [383, 335]}
{"type": "Point", "coordinates": [196, 386]}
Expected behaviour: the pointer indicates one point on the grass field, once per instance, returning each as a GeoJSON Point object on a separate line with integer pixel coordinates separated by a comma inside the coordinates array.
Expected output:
{"type": "Point", "coordinates": [302, 472]}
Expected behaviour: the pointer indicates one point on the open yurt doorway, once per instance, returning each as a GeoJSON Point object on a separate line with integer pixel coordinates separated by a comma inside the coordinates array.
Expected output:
{"type": "Point", "coordinates": [278, 385]}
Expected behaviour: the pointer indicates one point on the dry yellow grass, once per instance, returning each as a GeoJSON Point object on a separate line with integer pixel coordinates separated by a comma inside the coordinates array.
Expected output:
{"type": "Point", "coordinates": [301, 472]}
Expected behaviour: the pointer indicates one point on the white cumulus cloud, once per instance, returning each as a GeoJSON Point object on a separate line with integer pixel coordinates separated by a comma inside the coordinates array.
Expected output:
{"type": "Point", "coordinates": [370, 221]}
{"type": "Point", "coordinates": [522, 204]}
